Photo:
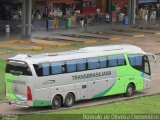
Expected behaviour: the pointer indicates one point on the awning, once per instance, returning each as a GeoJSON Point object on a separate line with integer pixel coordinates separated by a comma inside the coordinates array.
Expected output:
{"type": "Point", "coordinates": [147, 1]}
{"type": "Point", "coordinates": [61, 1]}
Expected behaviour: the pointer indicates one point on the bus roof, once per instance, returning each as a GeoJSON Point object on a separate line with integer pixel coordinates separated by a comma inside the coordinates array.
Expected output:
{"type": "Point", "coordinates": [78, 54]}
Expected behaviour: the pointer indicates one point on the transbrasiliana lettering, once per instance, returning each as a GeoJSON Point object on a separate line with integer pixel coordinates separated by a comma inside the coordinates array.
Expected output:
{"type": "Point", "coordinates": [91, 75]}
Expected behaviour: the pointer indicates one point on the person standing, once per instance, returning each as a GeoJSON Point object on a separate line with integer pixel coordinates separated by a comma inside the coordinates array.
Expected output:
{"type": "Point", "coordinates": [56, 20]}
{"type": "Point", "coordinates": [60, 16]}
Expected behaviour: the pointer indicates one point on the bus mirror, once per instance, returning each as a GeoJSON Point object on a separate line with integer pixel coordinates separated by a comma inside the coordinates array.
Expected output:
{"type": "Point", "coordinates": [153, 56]}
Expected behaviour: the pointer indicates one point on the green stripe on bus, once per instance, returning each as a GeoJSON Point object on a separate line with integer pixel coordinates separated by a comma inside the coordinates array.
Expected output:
{"type": "Point", "coordinates": [41, 103]}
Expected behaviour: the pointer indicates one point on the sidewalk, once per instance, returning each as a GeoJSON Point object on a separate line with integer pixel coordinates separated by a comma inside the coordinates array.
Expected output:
{"type": "Point", "coordinates": [97, 27]}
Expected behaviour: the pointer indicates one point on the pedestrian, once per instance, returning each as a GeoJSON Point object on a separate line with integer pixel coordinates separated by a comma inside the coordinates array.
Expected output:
{"type": "Point", "coordinates": [60, 16]}
{"type": "Point", "coordinates": [85, 23]}
{"type": "Point", "coordinates": [56, 19]}
{"type": "Point", "coordinates": [107, 18]}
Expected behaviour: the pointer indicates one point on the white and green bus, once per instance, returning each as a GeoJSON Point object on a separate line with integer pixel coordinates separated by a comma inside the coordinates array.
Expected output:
{"type": "Point", "coordinates": [61, 79]}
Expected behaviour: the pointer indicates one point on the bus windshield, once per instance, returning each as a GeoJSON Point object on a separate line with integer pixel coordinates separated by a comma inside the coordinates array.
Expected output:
{"type": "Point", "coordinates": [18, 68]}
{"type": "Point", "coordinates": [140, 62]}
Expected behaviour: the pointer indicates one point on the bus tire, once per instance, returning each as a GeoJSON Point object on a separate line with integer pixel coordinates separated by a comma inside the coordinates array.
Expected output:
{"type": "Point", "coordinates": [129, 90]}
{"type": "Point", "coordinates": [56, 102]}
{"type": "Point", "coordinates": [69, 100]}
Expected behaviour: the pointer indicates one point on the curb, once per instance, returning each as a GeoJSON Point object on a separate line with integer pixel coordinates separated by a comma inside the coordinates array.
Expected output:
{"type": "Point", "coordinates": [157, 33]}
{"type": "Point", "coordinates": [136, 36]}
{"type": "Point", "coordinates": [118, 38]}
{"type": "Point", "coordinates": [2, 53]}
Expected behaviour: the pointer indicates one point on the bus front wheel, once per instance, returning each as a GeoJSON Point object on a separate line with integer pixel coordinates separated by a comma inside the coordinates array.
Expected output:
{"type": "Point", "coordinates": [56, 102]}
{"type": "Point", "coordinates": [129, 90]}
{"type": "Point", "coordinates": [69, 100]}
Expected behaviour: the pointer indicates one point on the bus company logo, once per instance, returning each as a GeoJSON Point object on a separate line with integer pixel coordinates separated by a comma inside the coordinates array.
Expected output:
{"type": "Point", "coordinates": [91, 75]}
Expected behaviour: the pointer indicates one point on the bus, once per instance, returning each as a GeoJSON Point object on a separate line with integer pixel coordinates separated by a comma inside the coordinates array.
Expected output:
{"type": "Point", "coordinates": [61, 79]}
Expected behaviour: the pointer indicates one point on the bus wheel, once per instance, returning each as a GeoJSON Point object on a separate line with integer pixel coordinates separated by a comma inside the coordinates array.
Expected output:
{"type": "Point", "coordinates": [69, 100]}
{"type": "Point", "coordinates": [56, 102]}
{"type": "Point", "coordinates": [129, 90]}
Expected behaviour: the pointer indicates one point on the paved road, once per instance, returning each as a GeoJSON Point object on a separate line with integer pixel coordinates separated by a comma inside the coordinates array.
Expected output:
{"type": "Point", "coordinates": [149, 43]}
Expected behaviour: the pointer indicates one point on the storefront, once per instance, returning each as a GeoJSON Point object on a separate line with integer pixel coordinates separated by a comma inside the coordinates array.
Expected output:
{"type": "Point", "coordinates": [10, 10]}
{"type": "Point", "coordinates": [148, 9]}
{"type": "Point", "coordinates": [86, 6]}
{"type": "Point", "coordinates": [45, 8]}
{"type": "Point", "coordinates": [147, 3]}
{"type": "Point", "coordinates": [39, 9]}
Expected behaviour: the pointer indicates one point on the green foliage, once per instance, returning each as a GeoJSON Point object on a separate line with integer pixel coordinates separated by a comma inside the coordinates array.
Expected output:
{"type": "Point", "coordinates": [2, 72]}
{"type": "Point", "coordinates": [144, 105]}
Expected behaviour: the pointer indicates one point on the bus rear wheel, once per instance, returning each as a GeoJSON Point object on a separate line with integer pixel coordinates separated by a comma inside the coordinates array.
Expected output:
{"type": "Point", "coordinates": [56, 102]}
{"type": "Point", "coordinates": [129, 90]}
{"type": "Point", "coordinates": [69, 100]}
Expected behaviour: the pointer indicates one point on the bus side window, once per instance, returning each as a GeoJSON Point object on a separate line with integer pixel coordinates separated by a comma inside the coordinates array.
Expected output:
{"type": "Point", "coordinates": [71, 66]}
{"type": "Point", "coordinates": [56, 68]}
{"type": "Point", "coordinates": [45, 69]}
{"type": "Point", "coordinates": [93, 63]}
{"type": "Point", "coordinates": [121, 60]}
{"type": "Point", "coordinates": [38, 69]}
{"type": "Point", "coordinates": [112, 61]}
{"type": "Point", "coordinates": [81, 65]}
{"type": "Point", "coordinates": [103, 62]}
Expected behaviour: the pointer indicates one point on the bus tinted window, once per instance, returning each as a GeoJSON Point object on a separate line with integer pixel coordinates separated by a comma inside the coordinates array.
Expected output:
{"type": "Point", "coordinates": [116, 60]}
{"type": "Point", "coordinates": [18, 69]}
{"type": "Point", "coordinates": [45, 69]}
{"type": "Point", "coordinates": [71, 66]}
{"type": "Point", "coordinates": [81, 65]}
{"type": "Point", "coordinates": [42, 69]}
{"type": "Point", "coordinates": [121, 60]}
{"type": "Point", "coordinates": [136, 61]}
{"type": "Point", "coordinates": [56, 68]}
{"type": "Point", "coordinates": [112, 61]}
{"type": "Point", "coordinates": [92, 63]}
{"type": "Point", "coordinates": [147, 66]}
{"type": "Point", "coordinates": [38, 69]}
{"type": "Point", "coordinates": [103, 62]}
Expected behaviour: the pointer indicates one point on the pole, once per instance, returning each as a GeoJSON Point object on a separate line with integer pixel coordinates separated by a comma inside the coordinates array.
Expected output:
{"type": "Point", "coordinates": [133, 16]}
{"type": "Point", "coordinates": [110, 10]}
{"type": "Point", "coordinates": [129, 9]}
{"type": "Point", "coordinates": [23, 17]}
{"type": "Point", "coordinates": [29, 17]}
{"type": "Point", "coordinates": [26, 18]}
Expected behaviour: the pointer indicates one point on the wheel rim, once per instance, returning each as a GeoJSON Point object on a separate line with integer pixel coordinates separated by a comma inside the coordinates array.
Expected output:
{"type": "Point", "coordinates": [130, 90]}
{"type": "Point", "coordinates": [56, 103]}
{"type": "Point", "coordinates": [69, 100]}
